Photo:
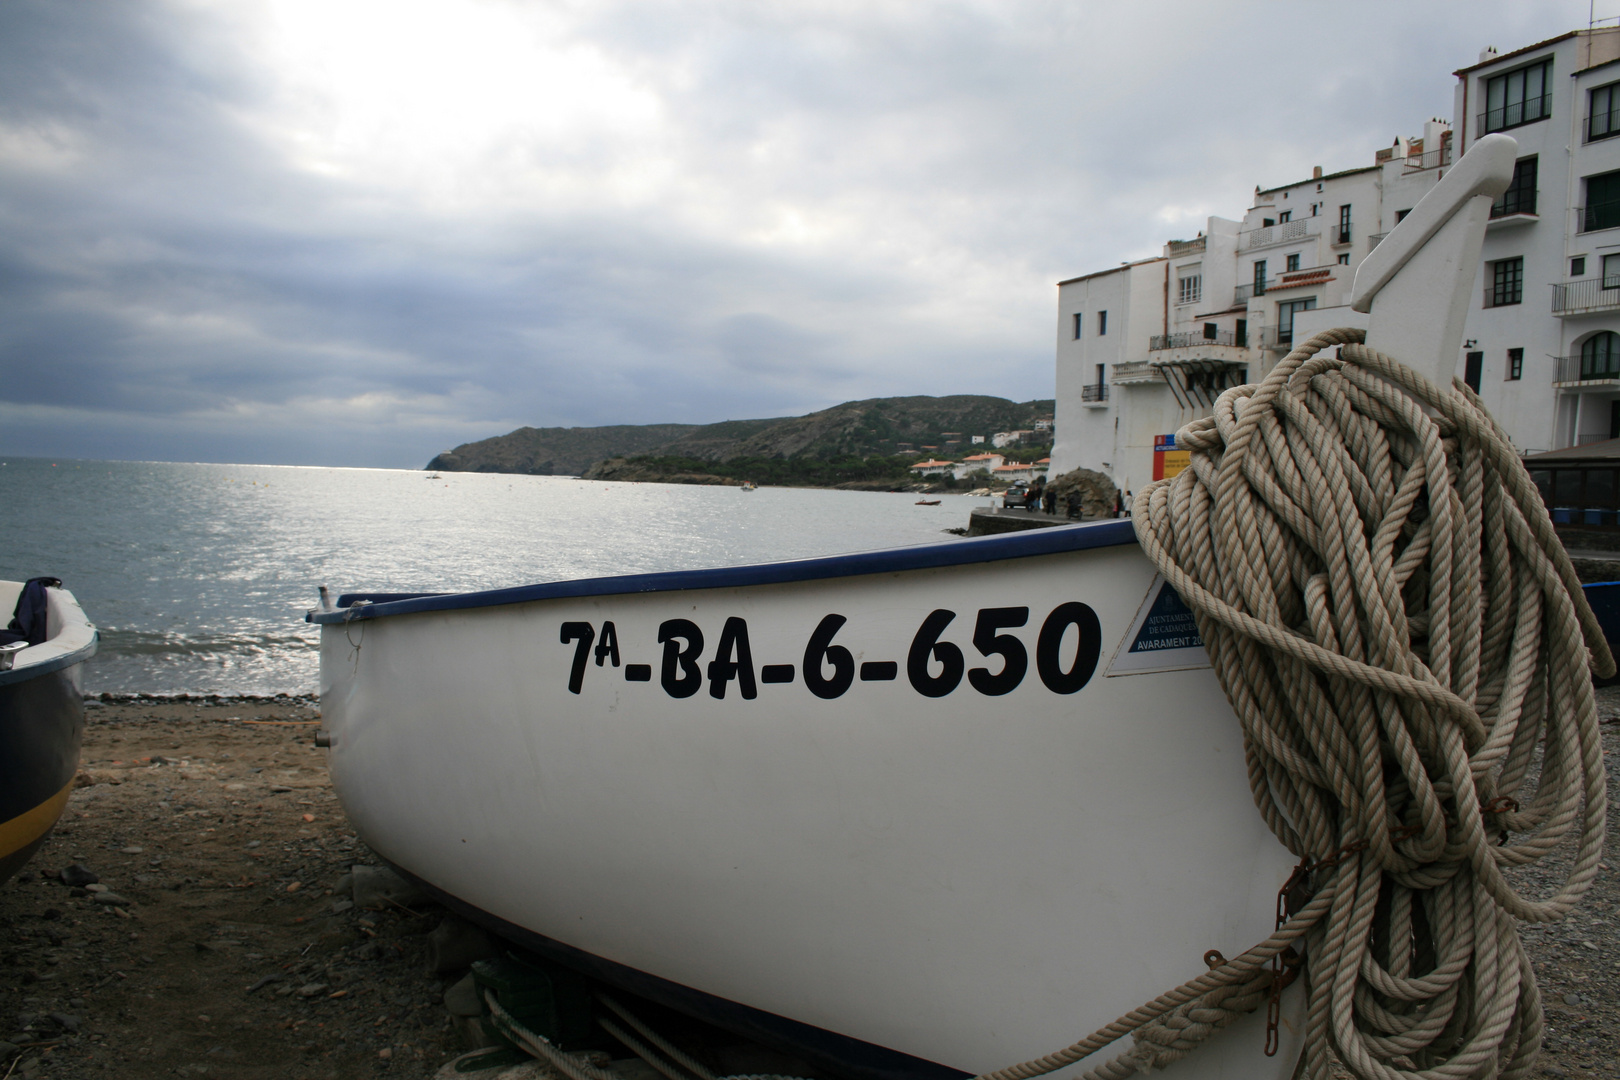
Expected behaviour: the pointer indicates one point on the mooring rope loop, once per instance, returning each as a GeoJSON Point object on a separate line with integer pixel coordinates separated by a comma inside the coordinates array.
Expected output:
{"type": "Point", "coordinates": [1405, 642]}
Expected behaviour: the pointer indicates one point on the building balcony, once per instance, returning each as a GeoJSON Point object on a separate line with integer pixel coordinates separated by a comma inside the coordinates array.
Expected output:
{"type": "Point", "coordinates": [1192, 340]}
{"type": "Point", "coordinates": [1375, 239]}
{"type": "Point", "coordinates": [1285, 233]}
{"type": "Point", "coordinates": [1094, 395]}
{"type": "Point", "coordinates": [1602, 125]}
{"type": "Point", "coordinates": [1340, 235]}
{"type": "Point", "coordinates": [1133, 373]}
{"type": "Point", "coordinates": [1177, 248]}
{"type": "Point", "coordinates": [1196, 380]}
{"type": "Point", "coordinates": [1434, 159]}
{"type": "Point", "coordinates": [1527, 111]}
{"type": "Point", "coordinates": [1603, 215]}
{"type": "Point", "coordinates": [1597, 373]}
{"type": "Point", "coordinates": [1587, 297]}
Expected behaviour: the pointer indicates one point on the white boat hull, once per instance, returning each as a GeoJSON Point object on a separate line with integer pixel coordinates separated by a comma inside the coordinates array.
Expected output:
{"type": "Point", "coordinates": [970, 879]}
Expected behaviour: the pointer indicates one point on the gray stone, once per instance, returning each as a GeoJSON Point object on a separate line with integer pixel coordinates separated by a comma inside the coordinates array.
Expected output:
{"type": "Point", "coordinates": [111, 899]}
{"type": "Point", "coordinates": [376, 886]}
{"type": "Point", "coordinates": [455, 943]}
{"type": "Point", "coordinates": [66, 1021]}
{"type": "Point", "coordinates": [1096, 492]}
{"type": "Point", "coordinates": [312, 990]}
{"type": "Point", "coordinates": [1572, 999]}
{"type": "Point", "coordinates": [79, 874]}
{"type": "Point", "coordinates": [462, 998]}
{"type": "Point", "coordinates": [344, 886]}
{"type": "Point", "coordinates": [340, 906]}
{"type": "Point", "coordinates": [96, 887]}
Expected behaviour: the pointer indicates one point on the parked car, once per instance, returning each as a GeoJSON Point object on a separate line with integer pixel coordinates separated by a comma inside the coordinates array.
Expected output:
{"type": "Point", "coordinates": [1013, 497]}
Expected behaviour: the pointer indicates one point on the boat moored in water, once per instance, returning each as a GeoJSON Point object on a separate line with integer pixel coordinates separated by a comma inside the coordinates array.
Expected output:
{"type": "Point", "coordinates": [41, 713]}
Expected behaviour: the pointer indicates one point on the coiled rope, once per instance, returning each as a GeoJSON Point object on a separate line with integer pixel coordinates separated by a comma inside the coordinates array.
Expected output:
{"type": "Point", "coordinates": [1405, 642]}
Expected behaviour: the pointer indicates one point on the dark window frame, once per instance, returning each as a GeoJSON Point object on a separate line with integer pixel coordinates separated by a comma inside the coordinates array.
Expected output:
{"type": "Point", "coordinates": [1602, 203]}
{"type": "Point", "coordinates": [1507, 281]}
{"type": "Point", "coordinates": [1520, 196]}
{"type": "Point", "coordinates": [1515, 365]}
{"type": "Point", "coordinates": [1600, 356]}
{"type": "Point", "coordinates": [1606, 116]}
{"type": "Point", "coordinates": [1505, 111]}
{"type": "Point", "coordinates": [1077, 325]}
{"type": "Point", "coordinates": [1102, 323]}
{"type": "Point", "coordinates": [1285, 322]}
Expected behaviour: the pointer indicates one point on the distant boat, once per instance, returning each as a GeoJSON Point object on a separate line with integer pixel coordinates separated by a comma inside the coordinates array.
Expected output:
{"type": "Point", "coordinates": [41, 717]}
{"type": "Point", "coordinates": [927, 502]}
{"type": "Point", "coordinates": [749, 485]}
{"type": "Point", "coordinates": [435, 476]}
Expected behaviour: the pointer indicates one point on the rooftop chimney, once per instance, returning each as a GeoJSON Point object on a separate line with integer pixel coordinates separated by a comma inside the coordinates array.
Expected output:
{"type": "Point", "coordinates": [1487, 53]}
{"type": "Point", "coordinates": [1316, 173]}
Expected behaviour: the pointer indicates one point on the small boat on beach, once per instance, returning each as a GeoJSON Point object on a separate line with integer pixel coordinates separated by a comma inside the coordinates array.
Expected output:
{"type": "Point", "coordinates": [914, 814]}
{"type": "Point", "coordinates": [41, 713]}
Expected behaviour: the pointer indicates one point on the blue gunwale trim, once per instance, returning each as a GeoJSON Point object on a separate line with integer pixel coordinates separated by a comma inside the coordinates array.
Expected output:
{"type": "Point", "coordinates": [66, 660]}
{"type": "Point", "coordinates": [1021, 545]}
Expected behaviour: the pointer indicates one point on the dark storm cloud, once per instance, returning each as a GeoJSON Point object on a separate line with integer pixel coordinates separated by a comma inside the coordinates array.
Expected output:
{"type": "Point", "coordinates": [831, 202]}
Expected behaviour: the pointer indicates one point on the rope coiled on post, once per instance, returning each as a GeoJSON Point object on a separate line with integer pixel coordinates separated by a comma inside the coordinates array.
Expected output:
{"type": "Point", "coordinates": [1405, 642]}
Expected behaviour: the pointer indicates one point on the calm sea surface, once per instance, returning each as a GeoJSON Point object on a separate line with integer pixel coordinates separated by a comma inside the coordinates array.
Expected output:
{"type": "Point", "coordinates": [198, 576]}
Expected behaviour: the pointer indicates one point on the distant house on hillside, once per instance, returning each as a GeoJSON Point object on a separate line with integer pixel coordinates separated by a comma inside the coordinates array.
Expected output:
{"type": "Point", "coordinates": [934, 468]}
{"type": "Point", "coordinates": [975, 462]}
{"type": "Point", "coordinates": [1009, 438]}
{"type": "Point", "coordinates": [1016, 470]}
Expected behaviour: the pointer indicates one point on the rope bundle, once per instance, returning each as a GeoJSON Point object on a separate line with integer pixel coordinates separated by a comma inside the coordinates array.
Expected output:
{"type": "Point", "coordinates": [1406, 644]}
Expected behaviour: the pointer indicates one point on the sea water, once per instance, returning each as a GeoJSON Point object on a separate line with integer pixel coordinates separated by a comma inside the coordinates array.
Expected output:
{"type": "Point", "coordinates": [198, 576]}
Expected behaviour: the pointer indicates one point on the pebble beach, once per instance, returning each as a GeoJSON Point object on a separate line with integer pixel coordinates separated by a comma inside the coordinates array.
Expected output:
{"type": "Point", "coordinates": [192, 915]}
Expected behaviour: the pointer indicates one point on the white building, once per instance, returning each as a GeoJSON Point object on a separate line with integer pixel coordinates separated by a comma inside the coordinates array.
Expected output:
{"type": "Point", "coordinates": [1146, 347]}
{"type": "Point", "coordinates": [934, 468]}
{"type": "Point", "coordinates": [974, 462]}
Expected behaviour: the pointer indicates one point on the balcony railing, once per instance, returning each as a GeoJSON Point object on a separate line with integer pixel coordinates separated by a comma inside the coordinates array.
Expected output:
{"type": "Point", "coordinates": [1280, 234]}
{"type": "Point", "coordinates": [1187, 247]}
{"type": "Point", "coordinates": [1603, 215]}
{"type": "Point", "coordinates": [1572, 369]}
{"type": "Point", "coordinates": [1519, 112]}
{"type": "Point", "coordinates": [1514, 202]}
{"type": "Point", "coordinates": [1243, 293]}
{"type": "Point", "coordinates": [1097, 392]}
{"type": "Point", "coordinates": [1586, 297]}
{"type": "Point", "coordinates": [1341, 235]}
{"type": "Point", "coordinates": [1376, 238]}
{"type": "Point", "coordinates": [1434, 159]}
{"type": "Point", "coordinates": [1601, 125]}
{"type": "Point", "coordinates": [1191, 340]}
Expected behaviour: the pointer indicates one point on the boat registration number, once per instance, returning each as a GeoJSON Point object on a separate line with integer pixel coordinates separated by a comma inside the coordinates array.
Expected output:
{"type": "Point", "coordinates": [934, 666]}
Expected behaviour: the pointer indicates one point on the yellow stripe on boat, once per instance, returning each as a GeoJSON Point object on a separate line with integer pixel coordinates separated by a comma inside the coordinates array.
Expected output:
{"type": "Point", "coordinates": [30, 825]}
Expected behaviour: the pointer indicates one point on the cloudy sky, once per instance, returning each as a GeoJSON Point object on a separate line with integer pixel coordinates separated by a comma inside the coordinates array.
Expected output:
{"type": "Point", "coordinates": [356, 233]}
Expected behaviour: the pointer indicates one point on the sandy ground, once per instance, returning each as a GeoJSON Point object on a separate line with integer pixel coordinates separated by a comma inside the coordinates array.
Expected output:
{"type": "Point", "coordinates": [219, 825]}
{"type": "Point", "coordinates": [216, 824]}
